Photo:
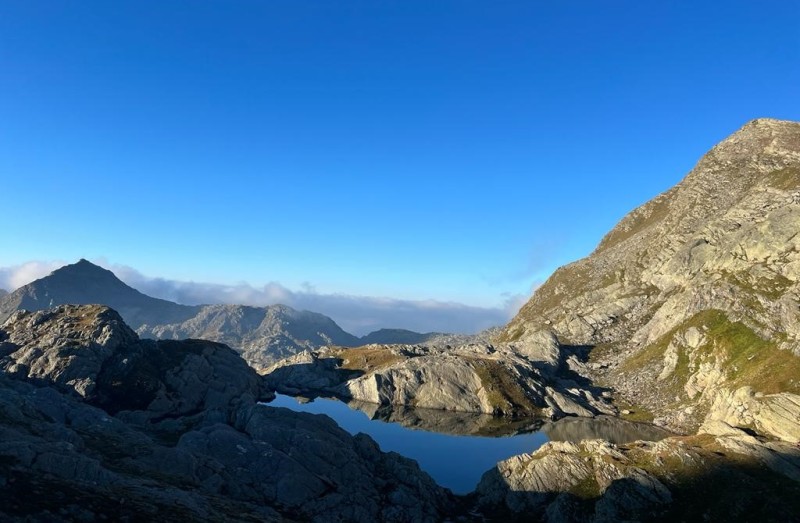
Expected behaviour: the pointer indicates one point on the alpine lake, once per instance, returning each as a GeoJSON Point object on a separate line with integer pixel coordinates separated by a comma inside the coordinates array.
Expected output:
{"type": "Point", "coordinates": [457, 448]}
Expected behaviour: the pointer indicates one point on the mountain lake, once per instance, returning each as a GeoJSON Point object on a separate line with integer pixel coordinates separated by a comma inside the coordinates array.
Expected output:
{"type": "Point", "coordinates": [456, 449]}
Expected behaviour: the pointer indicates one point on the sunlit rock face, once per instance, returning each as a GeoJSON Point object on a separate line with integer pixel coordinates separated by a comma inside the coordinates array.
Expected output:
{"type": "Point", "coordinates": [517, 379]}
{"type": "Point", "coordinates": [694, 294]}
{"type": "Point", "coordinates": [730, 476]}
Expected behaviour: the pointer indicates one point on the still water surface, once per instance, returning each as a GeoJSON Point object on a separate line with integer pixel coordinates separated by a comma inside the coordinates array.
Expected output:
{"type": "Point", "coordinates": [455, 448]}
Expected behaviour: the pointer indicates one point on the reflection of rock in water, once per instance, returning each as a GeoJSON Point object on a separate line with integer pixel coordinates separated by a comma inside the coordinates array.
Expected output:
{"type": "Point", "coordinates": [615, 430]}
{"type": "Point", "coordinates": [447, 422]}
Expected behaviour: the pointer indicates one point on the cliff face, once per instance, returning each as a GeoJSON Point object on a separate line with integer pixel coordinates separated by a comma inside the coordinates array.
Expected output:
{"type": "Point", "coordinates": [696, 292]}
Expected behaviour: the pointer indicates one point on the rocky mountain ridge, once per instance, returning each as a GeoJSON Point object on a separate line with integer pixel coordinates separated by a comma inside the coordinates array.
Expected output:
{"type": "Point", "coordinates": [696, 291]}
{"type": "Point", "coordinates": [85, 283]}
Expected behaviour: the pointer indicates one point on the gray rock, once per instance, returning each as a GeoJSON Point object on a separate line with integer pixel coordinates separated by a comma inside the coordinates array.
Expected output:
{"type": "Point", "coordinates": [593, 468]}
{"type": "Point", "coordinates": [171, 430]}
{"type": "Point", "coordinates": [775, 414]}
{"type": "Point", "coordinates": [508, 379]}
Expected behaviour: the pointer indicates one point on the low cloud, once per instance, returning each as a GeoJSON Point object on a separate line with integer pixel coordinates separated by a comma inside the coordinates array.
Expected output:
{"type": "Point", "coordinates": [18, 275]}
{"type": "Point", "coordinates": [356, 314]}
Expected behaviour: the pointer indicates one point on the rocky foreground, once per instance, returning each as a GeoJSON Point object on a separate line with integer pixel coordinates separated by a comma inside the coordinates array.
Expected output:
{"type": "Point", "coordinates": [96, 423]}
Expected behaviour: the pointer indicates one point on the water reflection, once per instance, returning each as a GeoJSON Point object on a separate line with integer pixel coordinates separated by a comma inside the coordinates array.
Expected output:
{"type": "Point", "coordinates": [615, 430]}
{"type": "Point", "coordinates": [457, 448]}
{"type": "Point", "coordinates": [447, 422]}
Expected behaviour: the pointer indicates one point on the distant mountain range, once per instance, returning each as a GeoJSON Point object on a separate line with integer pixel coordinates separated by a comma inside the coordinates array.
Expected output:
{"type": "Point", "coordinates": [262, 334]}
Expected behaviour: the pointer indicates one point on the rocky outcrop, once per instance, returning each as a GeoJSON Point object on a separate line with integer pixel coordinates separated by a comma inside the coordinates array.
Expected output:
{"type": "Point", "coordinates": [775, 414]}
{"type": "Point", "coordinates": [512, 379]}
{"type": "Point", "coordinates": [531, 482]}
{"type": "Point", "coordinates": [66, 347]}
{"type": "Point", "coordinates": [675, 479]}
{"type": "Point", "coordinates": [697, 290]}
{"type": "Point", "coordinates": [781, 457]}
{"type": "Point", "coordinates": [97, 423]}
{"type": "Point", "coordinates": [89, 351]}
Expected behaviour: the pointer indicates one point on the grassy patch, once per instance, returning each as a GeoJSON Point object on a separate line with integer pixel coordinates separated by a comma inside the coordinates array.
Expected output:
{"type": "Point", "coordinates": [587, 488]}
{"type": "Point", "coordinates": [367, 359]}
{"type": "Point", "coordinates": [785, 179]}
{"type": "Point", "coordinates": [772, 288]}
{"type": "Point", "coordinates": [746, 358]}
{"type": "Point", "coordinates": [502, 390]}
{"type": "Point", "coordinates": [637, 414]}
{"type": "Point", "coordinates": [753, 361]}
{"type": "Point", "coordinates": [640, 219]}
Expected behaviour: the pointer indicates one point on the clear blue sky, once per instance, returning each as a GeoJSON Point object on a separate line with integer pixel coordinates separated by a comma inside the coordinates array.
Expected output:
{"type": "Point", "coordinates": [455, 150]}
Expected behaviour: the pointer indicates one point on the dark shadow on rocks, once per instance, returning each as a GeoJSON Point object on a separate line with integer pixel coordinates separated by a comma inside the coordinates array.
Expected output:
{"type": "Point", "coordinates": [313, 378]}
{"type": "Point", "coordinates": [568, 372]}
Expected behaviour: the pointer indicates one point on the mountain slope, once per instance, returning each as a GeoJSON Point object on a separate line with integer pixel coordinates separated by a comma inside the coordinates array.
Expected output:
{"type": "Point", "coordinates": [697, 290]}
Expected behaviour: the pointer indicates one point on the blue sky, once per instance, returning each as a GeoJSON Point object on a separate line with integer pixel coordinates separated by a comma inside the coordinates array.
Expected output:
{"type": "Point", "coordinates": [450, 150]}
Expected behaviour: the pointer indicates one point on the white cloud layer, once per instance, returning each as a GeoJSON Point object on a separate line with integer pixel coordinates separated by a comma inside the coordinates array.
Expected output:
{"type": "Point", "coordinates": [18, 275]}
{"type": "Point", "coordinates": [356, 314]}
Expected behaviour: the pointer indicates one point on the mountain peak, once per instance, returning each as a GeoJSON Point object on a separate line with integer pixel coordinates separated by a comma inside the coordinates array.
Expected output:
{"type": "Point", "coordinates": [82, 266]}
{"type": "Point", "coordinates": [759, 140]}
{"type": "Point", "coordinates": [85, 283]}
